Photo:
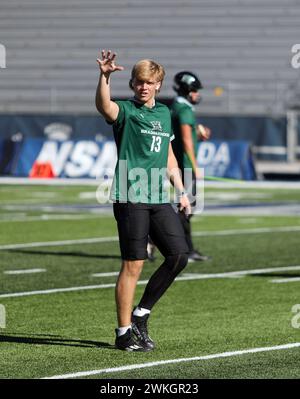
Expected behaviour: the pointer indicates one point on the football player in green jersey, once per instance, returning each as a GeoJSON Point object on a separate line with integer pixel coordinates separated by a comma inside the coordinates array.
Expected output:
{"type": "Point", "coordinates": [143, 134]}
{"type": "Point", "coordinates": [187, 133]}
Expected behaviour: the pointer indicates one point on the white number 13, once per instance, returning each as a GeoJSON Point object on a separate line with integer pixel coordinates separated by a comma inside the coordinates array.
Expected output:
{"type": "Point", "coordinates": [156, 142]}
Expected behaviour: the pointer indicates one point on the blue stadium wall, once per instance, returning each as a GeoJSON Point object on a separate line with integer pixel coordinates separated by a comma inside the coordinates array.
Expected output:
{"type": "Point", "coordinates": [21, 135]}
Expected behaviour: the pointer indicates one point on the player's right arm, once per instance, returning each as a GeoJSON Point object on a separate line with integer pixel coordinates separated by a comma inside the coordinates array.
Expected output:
{"type": "Point", "coordinates": [108, 108]}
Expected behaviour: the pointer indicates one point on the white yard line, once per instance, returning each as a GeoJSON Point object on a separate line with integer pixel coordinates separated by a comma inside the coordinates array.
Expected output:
{"type": "Point", "coordinates": [239, 273]}
{"type": "Point", "coordinates": [187, 277]}
{"type": "Point", "coordinates": [48, 182]}
{"type": "Point", "coordinates": [260, 230]}
{"type": "Point", "coordinates": [59, 243]}
{"type": "Point", "coordinates": [57, 290]}
{"type": "Point", "coordinates": [24, 271]}
{"type": "Point", "coordinates": [45, 218]}
{"type": "Point", "coordinates": [174, 361]}
{"type": "Point", "coordinates": [286, 280]}
{"type": "Point", "coordinates": [105, 274]}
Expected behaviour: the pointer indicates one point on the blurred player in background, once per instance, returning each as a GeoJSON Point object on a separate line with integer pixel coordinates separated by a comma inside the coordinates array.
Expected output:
{"type": "Point", "coordinates": [143, 134]}
{"type": "Point", "coordinates": [187, 133]}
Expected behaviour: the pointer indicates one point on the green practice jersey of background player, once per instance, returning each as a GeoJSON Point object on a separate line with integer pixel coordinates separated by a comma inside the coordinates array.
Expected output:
{"type": "Point", "coordinates": [183, 114]}
{"type": "Point", "coordinates": [142, 136]}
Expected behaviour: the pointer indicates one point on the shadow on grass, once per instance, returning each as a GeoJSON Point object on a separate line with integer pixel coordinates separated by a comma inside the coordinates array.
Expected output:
{"type": "Point", "coordinates": [45, 339]}
{"type": "Point", "coordinates": [59, 253]}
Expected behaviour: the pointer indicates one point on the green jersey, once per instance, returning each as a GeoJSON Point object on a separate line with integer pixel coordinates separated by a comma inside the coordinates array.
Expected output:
{"type": "Point", "coordinates": [183, 113]}
{"type": "Point", "coordinates": [142, 136]}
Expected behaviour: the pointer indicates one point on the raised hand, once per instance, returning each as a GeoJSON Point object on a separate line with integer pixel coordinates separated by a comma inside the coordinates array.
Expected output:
{"type": "Point", "coordinates": [107, 63]}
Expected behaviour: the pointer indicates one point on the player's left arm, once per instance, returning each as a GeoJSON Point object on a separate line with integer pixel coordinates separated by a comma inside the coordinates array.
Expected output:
{"type": "Point", "coordinates": [174, 174]}
{"type": "Point", "coordinates": [188, 145]}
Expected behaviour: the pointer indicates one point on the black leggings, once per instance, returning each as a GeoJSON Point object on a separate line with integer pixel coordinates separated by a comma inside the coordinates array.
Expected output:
{"type": "Point", "coordinates": [186, 224]}
{"type": "Point", "coordinates": [162, 279]}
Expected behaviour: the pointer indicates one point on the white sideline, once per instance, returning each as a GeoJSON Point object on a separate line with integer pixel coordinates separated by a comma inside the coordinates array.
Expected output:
{"type": "Point", "coordinates": [174, 361]}
{"type": "Point", "coordinates": [190, 276]}
{"type": "Point", "coordinates": [24, 271]}
{"type": "Point", "coordinates": [260, 230]}
{"type": "Point", "coordinates": [95, 182]}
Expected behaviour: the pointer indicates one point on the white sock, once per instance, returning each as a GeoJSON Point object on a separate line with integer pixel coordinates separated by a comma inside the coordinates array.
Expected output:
{"type": "Point", "coordinates": [141, 311]}
{"type": "Point", "coordinates": [122, 330]}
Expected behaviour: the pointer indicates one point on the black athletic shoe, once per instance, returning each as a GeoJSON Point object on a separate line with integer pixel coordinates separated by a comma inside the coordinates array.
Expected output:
{"type": "Point", "coordinates": [139, 327]}
{"type": "Point", "coordinates": [126, 342]}
{"type": "Point", "coordinates": [197, 256]}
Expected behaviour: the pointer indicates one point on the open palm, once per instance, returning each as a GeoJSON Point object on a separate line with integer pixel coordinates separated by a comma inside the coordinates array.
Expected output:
{"type": "Point", "coordinates": [107, 64]}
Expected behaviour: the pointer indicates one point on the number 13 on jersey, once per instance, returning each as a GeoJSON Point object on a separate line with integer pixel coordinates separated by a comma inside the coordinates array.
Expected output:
{"type": "Point", "coordinates": [155, 145]}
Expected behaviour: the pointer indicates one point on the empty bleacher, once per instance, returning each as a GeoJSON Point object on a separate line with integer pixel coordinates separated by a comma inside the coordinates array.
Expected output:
{"type": "Point", "coordinates": [242, 46]}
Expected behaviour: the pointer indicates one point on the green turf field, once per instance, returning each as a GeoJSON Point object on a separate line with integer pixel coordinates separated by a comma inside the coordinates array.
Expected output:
{"type": "Point", "coordinates": [51, 331]}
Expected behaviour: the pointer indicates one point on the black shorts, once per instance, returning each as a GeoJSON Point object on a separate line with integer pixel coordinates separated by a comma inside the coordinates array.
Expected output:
{"type": "Point", "coordinates": [137, 221]}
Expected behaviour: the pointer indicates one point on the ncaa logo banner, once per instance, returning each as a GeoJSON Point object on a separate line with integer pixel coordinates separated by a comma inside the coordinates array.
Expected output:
{"type": "Point", "coordinates": [70, 158]}
{"type": "Point", "coordinates": [228, 159]}
{"type": "Point", "coordinates": [92, 159]}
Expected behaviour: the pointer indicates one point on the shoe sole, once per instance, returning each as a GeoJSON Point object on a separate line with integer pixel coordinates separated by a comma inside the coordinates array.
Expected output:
{"type": "Point", "coordinates": [141, 349]}
{"type": "Point", "coordinates": [137, 350]}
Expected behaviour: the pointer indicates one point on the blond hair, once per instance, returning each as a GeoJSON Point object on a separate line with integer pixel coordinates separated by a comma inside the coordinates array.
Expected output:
{"type": "Point", "coordinates": [146, 70]}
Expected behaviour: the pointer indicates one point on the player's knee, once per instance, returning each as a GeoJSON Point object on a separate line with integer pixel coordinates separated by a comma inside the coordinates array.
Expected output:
{"type": "Point", "coordinates": [132, 268]}
{"type": "Point", "coordinates": [177, 263]}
